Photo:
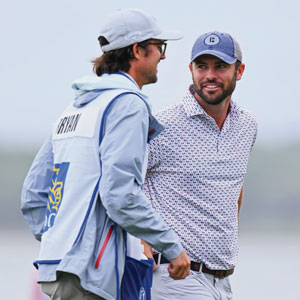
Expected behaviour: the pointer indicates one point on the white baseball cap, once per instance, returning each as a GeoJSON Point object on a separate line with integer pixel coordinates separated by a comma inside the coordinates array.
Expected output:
{"type": "Point", "coordinates": [128, 26]}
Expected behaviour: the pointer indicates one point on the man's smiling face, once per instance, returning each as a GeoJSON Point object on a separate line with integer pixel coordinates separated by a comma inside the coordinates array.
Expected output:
{"type": "Point", "coordinates": [213, 79]}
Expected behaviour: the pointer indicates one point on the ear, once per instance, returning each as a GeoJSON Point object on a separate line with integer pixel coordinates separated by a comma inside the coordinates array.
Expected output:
{"type": "Point", "coordinates": [240, 71]}
{"type": "Point", "coordinates": [136, 51]}
{"type": "Point", "coordinates": [190, 67]}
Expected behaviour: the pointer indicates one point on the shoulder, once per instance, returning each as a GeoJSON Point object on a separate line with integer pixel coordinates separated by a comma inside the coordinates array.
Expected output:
{"type": "Point", "coordinates": [130, 101]}
{"type": "Point", "coordinates": [172, 118]}
{"type": "Point", "coordinates": [170, 115]}
{"type": "Point", "coordinates": [249, 116]}
{"type": "Point", "coordinates": [247, 123]}
{"type": "Point", "coordinates": [128, 105]}
{"type": "Point", "coordinates": [246, 116]}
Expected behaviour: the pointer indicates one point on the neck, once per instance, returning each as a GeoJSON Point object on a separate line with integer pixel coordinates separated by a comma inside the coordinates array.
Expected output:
{"type": "Point", "coordinates": [135, 77]}
{"type": "Point", "coordinates": [218, 112]}
{"type": "Point", "coordinates": [130, 77]}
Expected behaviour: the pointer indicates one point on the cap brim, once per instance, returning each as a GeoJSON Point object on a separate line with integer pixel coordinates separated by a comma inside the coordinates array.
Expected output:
{"type": "Point", "coordinates": [228, 59]}
{"type": "Point", "coordinates": [169, 36]}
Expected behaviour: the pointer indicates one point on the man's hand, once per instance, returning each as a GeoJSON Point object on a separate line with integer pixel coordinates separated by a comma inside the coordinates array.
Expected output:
{"type": "Point", "coordinates": [148, 252]}
{"type": "Point", "coordinates": [179, 267]}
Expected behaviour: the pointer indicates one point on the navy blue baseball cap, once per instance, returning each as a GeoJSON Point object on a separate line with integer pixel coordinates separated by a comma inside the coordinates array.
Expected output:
{"type": "Point", "coordinates": [221, 45]}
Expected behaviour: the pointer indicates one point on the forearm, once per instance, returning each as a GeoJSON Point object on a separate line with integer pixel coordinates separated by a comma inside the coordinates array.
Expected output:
{"type": "Point", "coordinates": [122, 153]}
{"type": "Point", "coordinates": [35, 189]}
{"type": "Point", "coordinates": [134, 212]}
{"type": "Point", "coordinates": [240, 200]}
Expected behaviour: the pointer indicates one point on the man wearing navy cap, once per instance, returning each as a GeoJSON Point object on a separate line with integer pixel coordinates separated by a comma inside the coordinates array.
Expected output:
{"type": "Point", "coordinates": [196, 171]}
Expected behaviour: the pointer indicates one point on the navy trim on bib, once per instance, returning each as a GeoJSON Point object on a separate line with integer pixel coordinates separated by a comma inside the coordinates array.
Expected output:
{"type": "Point", "coordinates": [88, 211]}
{"type": "Point", "coordinates": [47, 262]}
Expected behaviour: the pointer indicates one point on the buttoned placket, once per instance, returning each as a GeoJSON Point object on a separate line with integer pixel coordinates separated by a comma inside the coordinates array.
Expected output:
{"type": "Point", "coordinates": [215, 130]}
{"type": "Point", "coordinates": [222, 133]}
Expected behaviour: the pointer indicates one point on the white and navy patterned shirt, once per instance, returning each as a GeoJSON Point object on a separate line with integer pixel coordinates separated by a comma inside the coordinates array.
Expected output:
{"type": "Point", "coordinates": [195, 175]}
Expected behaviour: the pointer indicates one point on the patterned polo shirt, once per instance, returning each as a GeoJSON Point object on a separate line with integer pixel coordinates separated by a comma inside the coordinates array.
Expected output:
{"type": "Point", "coordinates": [195, 175]}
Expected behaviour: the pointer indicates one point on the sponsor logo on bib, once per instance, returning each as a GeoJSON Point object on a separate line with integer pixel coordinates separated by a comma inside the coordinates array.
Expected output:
{"type": "Point", "coordinates": [56, 191]}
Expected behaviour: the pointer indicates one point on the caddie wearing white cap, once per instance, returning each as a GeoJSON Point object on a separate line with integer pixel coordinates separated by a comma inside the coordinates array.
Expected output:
{"type": "Point", "coordinates": [202, 155]}
{"type": "Point", "coordinates": [84, 189]}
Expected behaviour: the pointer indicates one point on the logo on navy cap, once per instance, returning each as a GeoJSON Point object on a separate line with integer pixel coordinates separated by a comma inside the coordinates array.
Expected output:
{"type": "Point", "coordinates": [211, 40]}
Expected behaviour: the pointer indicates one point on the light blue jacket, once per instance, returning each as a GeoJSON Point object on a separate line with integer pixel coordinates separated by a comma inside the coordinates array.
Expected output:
{"type": "Point", "coordinates": [128, 126]}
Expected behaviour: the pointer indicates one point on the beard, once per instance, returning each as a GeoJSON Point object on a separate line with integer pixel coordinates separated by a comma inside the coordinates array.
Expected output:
{"type": "Point", "coordinates": [211, 98]}
{"type": "Point", "coordinates": [149, 76]}
{"type": "Point", "coordinates": [152, 78]}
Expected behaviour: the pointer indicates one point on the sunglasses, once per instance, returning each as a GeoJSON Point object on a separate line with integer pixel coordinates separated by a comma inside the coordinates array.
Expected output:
{"type": "Point", "coordinates": [161, 46]}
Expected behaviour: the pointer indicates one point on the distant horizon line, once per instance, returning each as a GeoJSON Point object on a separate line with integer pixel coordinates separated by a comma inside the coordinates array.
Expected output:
{"type": "Point", "coordinates": [35, 145]}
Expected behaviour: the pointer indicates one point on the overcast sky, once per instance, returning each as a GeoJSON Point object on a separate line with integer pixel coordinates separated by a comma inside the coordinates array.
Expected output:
{"type": "Point", "coordinates": [45, 45]}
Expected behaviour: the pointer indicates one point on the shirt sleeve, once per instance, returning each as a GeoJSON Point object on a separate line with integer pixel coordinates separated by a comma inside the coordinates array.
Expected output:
{"type": "Point", "coordinates": [35, 189]}
{"type": "Point", "coordinates": [122, 153]}
{"type": "Point", "coordinates": [255, 135]}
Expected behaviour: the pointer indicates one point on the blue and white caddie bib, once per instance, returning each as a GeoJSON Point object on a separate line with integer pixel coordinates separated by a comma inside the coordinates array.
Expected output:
{"type": "Point", "coordinates": [75, 178]}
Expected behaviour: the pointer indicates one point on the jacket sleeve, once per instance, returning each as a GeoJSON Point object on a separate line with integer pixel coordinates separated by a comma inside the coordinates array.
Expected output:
{"type": "Point", "coordinates": [35, 189]}
{"type": "Point", "coordinates": [122, 154]}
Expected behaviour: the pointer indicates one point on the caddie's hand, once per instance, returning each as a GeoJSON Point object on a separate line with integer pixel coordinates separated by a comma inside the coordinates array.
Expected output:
{"type": "Point", "coordinates": [148, 252]}
{"type": "Point", "coordinates": [179, 267]}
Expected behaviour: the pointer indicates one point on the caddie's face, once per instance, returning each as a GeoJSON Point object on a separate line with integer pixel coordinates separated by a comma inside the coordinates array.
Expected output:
{"type": "Point", "coordinates": [151, 57]}
{"type": "Point", "coordinates": [214, 80]}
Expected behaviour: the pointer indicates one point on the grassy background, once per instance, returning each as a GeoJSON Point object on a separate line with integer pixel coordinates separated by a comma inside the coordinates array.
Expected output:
{"type": "Point", "coordinates": [271, 198]}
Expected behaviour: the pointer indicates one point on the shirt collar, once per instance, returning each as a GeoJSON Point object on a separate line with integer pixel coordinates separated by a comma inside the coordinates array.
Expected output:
{"type": "Point", "coordinates": [191, 105]}
{"type": "Point", "coordinates": [193, 108]}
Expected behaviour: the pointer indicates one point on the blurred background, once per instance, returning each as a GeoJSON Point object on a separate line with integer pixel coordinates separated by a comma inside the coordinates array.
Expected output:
{"type": "Point", "coordinates": [47, 45]}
